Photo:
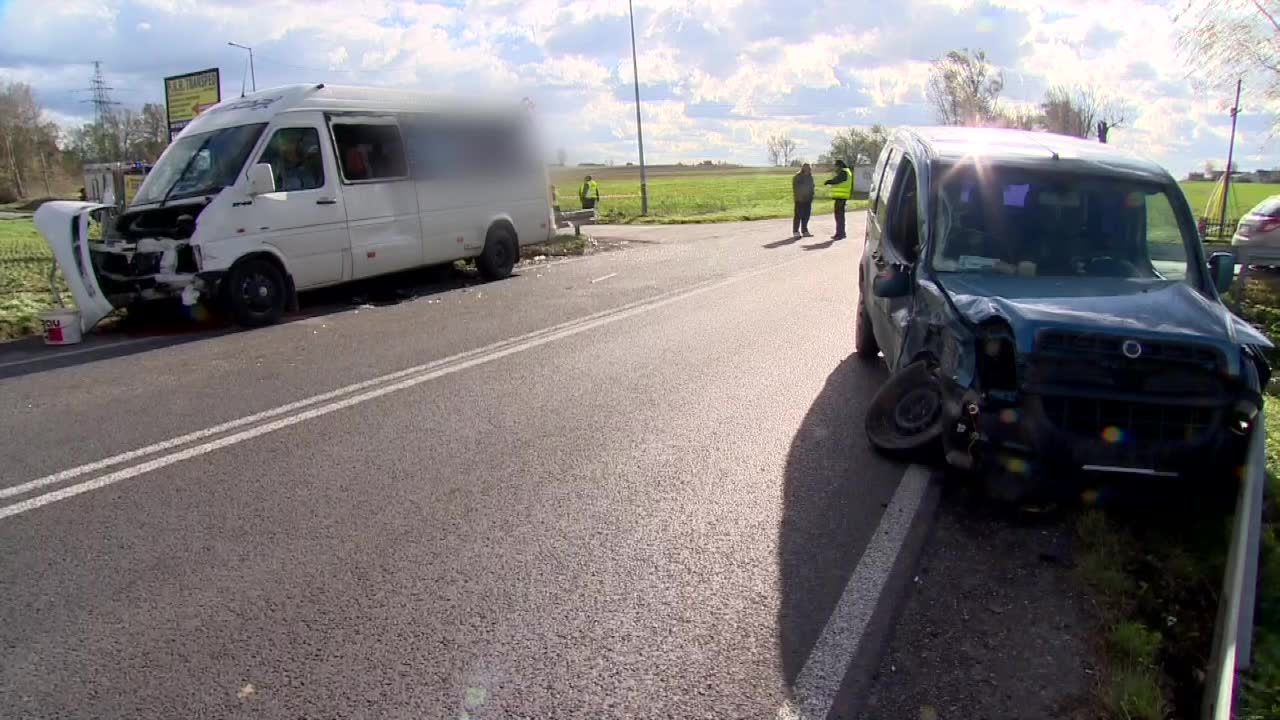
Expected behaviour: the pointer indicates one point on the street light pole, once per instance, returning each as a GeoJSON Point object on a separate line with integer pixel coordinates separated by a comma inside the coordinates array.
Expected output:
{"type": "Point", "coordinates": [252, 76]}
{"type": "Point", "coordinates": [635, 69]}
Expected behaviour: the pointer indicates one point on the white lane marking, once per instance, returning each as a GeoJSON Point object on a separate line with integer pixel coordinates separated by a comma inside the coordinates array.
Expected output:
{"type": "Point", "coordinates": [416, 376]}
{"type": "Point", "coordinates": [171, 443]}
{"type": "Point", "coordinates": [603, 278]}
{"type": "Point", "coordinates": [819, 680]}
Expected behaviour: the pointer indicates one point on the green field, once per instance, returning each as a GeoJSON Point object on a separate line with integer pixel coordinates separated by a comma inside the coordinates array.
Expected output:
{"type": "Point", "coordinates": [1246, 196]}
{"type": "Point", "coordinates": [691, 194]}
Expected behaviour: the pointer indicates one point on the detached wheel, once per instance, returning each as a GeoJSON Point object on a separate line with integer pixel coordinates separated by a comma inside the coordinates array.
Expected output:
{"type": "Point", "coordinates": [864, 337]}
{"type": "Point", "coordinates": [905, 417]}
{"type": "Point", "coordinates": [499, 256]}
{"type": "Point", "coordinates": [256, 293]}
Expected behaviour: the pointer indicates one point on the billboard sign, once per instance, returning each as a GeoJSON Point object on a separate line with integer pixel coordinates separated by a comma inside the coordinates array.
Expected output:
{"type": "Point", "coordinates": [186, 96]}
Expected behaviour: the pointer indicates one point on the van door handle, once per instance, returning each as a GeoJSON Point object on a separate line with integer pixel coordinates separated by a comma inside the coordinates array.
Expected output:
{"type": "Point", "coordinates": [326, 201]}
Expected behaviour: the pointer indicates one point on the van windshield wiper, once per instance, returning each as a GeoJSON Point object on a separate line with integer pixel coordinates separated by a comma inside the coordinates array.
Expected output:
{"type": "Point", "coordinates": [183, 174]}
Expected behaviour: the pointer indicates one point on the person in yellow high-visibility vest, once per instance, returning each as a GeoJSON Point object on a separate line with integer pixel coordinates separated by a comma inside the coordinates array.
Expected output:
{"type": "Point", "coordinates": [589, 193]}
{"type": "Point", "coordinates": [841, 192]}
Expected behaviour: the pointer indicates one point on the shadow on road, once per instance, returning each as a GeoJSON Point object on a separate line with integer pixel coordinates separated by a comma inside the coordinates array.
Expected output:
{"type": "Point", "coordinates": [834, 492]}
{"type": "Point", "coordinates": [790, 239]}
{"type": "Point", "coordinates": [162, 325]}
{"type": "Point", "coordinates": [818, 246]}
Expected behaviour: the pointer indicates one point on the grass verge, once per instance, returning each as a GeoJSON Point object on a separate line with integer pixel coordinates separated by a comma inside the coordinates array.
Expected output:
{"type": "Point", "coordinates": [25, 262]}
{"type": "Point", "coordinates": [1157, 579]}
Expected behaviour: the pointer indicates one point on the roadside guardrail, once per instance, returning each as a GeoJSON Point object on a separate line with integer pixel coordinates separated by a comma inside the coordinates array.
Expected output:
{"type": "Point", "coordinates": [1233, 630]}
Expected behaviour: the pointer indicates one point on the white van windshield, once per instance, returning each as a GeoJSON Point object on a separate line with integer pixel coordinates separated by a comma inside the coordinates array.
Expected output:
{"type": "Point", "coordinates": [199, 164]}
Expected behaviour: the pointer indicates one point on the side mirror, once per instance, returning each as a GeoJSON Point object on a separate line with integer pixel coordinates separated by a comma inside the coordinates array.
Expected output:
{"type": "Point", "coordinates": [1222, 268]}
{"type": "Point", "coordinates": [262, 179]}
{"type": "Point", "coordinates": [892, 282]}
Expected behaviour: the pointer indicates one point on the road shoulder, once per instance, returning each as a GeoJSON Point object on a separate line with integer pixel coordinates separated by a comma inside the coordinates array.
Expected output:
{"type": "Point", "coordinates": [994, 624]}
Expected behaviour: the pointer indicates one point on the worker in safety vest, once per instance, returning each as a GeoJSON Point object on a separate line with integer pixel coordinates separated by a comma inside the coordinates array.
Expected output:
{"type": "Point", "coordinates": [841, 191]}
{"type": "Point", "coordinates": [589, 193]}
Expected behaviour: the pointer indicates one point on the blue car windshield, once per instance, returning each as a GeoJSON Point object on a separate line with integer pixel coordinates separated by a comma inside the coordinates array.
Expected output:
{"type": "Point", "coordinates": [1045, 224]}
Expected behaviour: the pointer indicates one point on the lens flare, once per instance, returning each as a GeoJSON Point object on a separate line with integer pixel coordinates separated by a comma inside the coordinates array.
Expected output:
{"type": "Point", "coordinates": [1112, 435]}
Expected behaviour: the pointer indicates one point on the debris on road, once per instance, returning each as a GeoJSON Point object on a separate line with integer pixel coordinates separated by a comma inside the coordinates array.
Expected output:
{"type": "Point", "coordinates": [602, 279]}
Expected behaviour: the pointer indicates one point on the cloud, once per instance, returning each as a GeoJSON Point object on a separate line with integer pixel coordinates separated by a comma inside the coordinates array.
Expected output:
{"type": "Point", "coordinates": [716, 75]}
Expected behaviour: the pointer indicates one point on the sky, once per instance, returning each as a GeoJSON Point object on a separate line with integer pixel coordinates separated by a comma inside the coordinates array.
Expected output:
{"type": "Point", "coordinates": [717, 77]}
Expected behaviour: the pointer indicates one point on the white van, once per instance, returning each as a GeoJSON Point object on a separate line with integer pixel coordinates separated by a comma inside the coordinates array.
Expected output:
{"type": "Point", "coordinates": [306, 186]}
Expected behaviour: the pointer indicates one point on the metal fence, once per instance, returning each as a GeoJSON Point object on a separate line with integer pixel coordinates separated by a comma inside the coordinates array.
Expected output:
{"type": "Point", "coordinates": [1213, 230]}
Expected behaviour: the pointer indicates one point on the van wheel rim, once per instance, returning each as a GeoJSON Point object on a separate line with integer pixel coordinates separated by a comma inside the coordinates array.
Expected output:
{"type": "Point", "coordinates": [258, 292]}
{"type": "Point", "coordinates": [501, 258]}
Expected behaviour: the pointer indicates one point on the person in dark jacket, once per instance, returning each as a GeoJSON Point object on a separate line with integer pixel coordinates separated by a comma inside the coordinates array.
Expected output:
{"type": "Point", "coordinates": [802, 194]}
{"type": "Point", "coordinates": [841, 192]}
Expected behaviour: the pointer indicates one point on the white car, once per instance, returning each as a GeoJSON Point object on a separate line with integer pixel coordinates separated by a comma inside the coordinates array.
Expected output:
{"type": "Point", "coordinates": [306, 186]}
{"type": "Point", "coordinates": [1258, 234]}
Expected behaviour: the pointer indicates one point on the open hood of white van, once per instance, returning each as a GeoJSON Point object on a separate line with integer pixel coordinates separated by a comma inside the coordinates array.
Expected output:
{"type": "Point", "coordinates": [65, 226]}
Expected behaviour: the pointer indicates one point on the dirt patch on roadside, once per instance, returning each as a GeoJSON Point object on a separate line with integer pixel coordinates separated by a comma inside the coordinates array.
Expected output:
{"type": "Point", "coordinates": [994, 626]}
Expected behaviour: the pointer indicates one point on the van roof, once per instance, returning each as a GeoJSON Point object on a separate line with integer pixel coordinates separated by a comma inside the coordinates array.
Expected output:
{"type": "Point", "coordinates": [1033, 150]}
{"type": "Point", "coordinates": [261, 106]}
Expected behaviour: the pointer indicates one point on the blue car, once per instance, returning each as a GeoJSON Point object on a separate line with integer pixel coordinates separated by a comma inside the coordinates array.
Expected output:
{"type": "Point", "coordinates": [1047, 312]}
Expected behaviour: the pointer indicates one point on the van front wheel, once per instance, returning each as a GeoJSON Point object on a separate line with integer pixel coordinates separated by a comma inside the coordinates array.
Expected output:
{"type": "Point", "coordinates": [256, 293]}
{"type": "Point", "coordinates": [499, 256]}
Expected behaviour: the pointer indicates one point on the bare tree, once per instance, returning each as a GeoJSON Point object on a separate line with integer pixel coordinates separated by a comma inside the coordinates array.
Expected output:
{"type": "Point", "coordinates": [964, 88]}
{"type": "Point", "coordinates": [772, 149]}
{"type": "Point", "coordinates": [857, 146]}
{"type": "Point", "coordinates": [1112, 113]}
{"type": "Point", "coordinates": [1222, 40]}
{"type": "Point", "coordinates": [788, 149]}
{"type": "Point", "coordinates": [1069, 112]}
{"type": "Point", "coordinates": [780, 148]}
{"type": "Point", "coordinates": [26, 137]}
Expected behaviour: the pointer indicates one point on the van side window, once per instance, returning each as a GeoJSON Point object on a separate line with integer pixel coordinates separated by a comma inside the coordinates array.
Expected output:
{"type": "Point", "coordinates": [904, 230]}
{"type": "Point", "coordinates": [295, 160]}
{"type": "Point", "coordinates": [369, 152]}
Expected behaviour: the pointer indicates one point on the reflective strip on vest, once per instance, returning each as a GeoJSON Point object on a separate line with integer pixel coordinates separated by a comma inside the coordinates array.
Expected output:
{"type": "Point", "coordinates": [844, 190]}
{"type": "Point", "coordinates": [590, 189]}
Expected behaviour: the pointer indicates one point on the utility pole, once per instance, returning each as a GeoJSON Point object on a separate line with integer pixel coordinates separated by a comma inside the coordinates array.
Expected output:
{"type": "Point", "coordinates": [1226, 177]}
{"type": "Point", "coordinates": [252, 77]}
{"type": "Point", "coordinates": [102, 104]}
{"type": "Point", "coordinates": [45, 163]}
{"type": "Point", "coordinates": [13, 163]}
{"type": "Point", "coordinates": [635, 70]}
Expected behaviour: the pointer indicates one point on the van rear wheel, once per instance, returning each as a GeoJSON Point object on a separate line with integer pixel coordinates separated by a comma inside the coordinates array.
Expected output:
{"type": "Point", "coordinates": [500, 254]}
{"type": "Point", "coordinates": [256, 293]}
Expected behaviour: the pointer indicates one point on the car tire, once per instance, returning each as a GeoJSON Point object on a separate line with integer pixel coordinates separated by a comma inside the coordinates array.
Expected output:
{"type": "Point", "coordinates": [256, 293]}
{"type": "Point", "coordinates": [500, 254]}
{"type": "Point", "coordinates": [864, 337]}
{"type": "Point", "coordinates": [905, 416]}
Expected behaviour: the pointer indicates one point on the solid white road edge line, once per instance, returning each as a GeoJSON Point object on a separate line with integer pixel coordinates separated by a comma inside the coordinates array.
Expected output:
{"type": "Point", "coordinates": [441, 368]}
{"type": "Point", "coordinates": [816, 686]}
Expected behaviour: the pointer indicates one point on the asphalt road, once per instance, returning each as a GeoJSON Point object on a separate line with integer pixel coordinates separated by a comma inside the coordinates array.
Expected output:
{"type": "Point", "coordinates": [633, 484]}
